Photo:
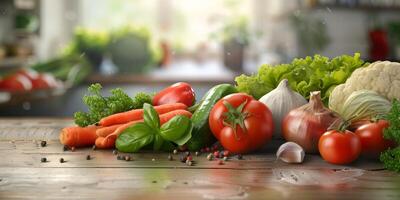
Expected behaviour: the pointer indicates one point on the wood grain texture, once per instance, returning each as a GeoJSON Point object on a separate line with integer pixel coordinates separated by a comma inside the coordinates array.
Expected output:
{"type": "Point", "coordinates": [257, 176]}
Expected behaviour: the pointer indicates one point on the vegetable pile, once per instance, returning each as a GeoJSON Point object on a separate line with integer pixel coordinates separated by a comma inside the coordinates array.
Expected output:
{"type": "Point", "coordinates": [361, 121]}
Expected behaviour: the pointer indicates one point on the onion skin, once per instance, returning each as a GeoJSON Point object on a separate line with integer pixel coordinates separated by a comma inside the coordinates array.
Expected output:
{"type": "Point", "coordinates": [306, 124]}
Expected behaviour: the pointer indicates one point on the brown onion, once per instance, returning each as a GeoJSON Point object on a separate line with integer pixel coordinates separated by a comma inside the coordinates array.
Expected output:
{"type": "Point", "coordinates": [306, 124]}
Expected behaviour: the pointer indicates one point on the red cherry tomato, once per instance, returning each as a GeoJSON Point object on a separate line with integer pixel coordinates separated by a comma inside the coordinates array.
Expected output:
{"type": "Point", "coordinates": [16, 82]}
{"type": "Point", "coordinates": [339, 147]}
{"type": "Point", "coordinates": [241, 123]}
{"type": "Point", "coordinates": [371, 137]}
{"type": "Point", "coordinates": [177, 93]}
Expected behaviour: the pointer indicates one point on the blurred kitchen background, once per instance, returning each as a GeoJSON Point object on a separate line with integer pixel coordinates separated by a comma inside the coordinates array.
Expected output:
{"type": "Point", "coordinates": [145, 45]}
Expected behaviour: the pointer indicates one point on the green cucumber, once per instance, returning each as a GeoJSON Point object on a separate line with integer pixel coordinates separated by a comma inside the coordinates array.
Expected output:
{"type": "Point", "coordinates": [201, 134]}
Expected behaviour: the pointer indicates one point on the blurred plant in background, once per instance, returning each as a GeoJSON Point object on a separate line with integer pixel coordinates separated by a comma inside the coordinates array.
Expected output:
{"type": "Point", "coordinates": [89, 43]}
{"type": "Point", "coordinates": [133, 50]}
{"type": "Point", "coordinates": [311, 32]}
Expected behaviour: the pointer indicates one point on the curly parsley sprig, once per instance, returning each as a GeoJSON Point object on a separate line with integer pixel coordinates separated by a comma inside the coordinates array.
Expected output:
{"type": "Point", "coordinates": [100, 106]}
{"type": "Point", "coordinates": [391, 157]}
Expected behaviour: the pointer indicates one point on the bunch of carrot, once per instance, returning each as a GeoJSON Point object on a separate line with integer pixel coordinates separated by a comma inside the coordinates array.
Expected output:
{"type": "Point", "coordinates": [104, 135]}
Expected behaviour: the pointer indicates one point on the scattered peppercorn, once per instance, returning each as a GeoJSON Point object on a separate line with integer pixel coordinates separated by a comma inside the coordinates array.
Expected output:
{"type": "Point", "coordinates": [65, 148]}
{"type": "Point", "coordinates": [62, 160]}
{"type": "Point", "coordinates": [170, 157]}
{"type": "Point", "coordinates": [189, 158]}
{"type": "Point", "coordinates": [197, 153]}
{"type": "Point", "coordinates": [127, 158]}
{"type": "Point", "coordinates": [216, 154]}
{"type": "Point", "coordinates": [88, 157]}
{"type": "Point", "coordinates": [43, 160]}
{"type": "Point", "coordinates": [115, 152]}
{"type": "Point", "coordinates": [183, 159]}
{"type": "Point", "coordinates": [239, 156]}
{"type": "Point", "coordinates": [175, 151]}
{"type": "Point", "coordinates": [221, 154]}
{"type": "Point", "coordinates": [210, 156]}
{"type": "Point", "coordinates": [226, 153]}
{"type": "Point", "coordinates": [43, 143]}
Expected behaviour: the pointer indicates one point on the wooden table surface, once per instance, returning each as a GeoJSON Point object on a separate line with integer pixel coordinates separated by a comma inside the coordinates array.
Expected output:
{"type": "Point", "coordinates": [256, 176]}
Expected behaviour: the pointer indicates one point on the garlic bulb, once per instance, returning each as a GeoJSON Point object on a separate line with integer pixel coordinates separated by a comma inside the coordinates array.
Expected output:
{"type": "Point", "coordinates": [290, 152]}
{"type": "Point", "coordinates": [280, 101]}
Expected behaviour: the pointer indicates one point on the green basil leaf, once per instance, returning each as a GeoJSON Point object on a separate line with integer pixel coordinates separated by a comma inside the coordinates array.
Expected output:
{"type": "Point", "coordinates": [134, 138]}
{"type": "Point", "coordinates": [150, 116]}
{"type": "Point", "coordinates": [158, 142]}
{"type": "Point", "coordinates": [177, 130]}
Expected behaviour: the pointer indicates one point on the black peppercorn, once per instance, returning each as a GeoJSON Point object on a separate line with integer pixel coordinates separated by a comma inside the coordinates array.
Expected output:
{"type": "Point", "coordinates": [88, 157]}
{"type": "Point", "coordinates": [62, 160]}
{"type": "Point", "coordinates": [43, 160]}
{"type": "Point", "coordinates": [43, 143]}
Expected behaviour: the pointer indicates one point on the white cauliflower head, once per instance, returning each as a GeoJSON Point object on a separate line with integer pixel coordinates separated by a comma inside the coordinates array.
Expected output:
{"type": "Point", "coordinates": [382, 77]}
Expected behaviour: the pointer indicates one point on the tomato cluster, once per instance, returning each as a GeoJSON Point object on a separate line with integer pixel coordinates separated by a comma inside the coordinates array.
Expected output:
{"type": "Point", "coordinates": [342, 147]}
{"type": "Point", "coordinates": [27, 79]}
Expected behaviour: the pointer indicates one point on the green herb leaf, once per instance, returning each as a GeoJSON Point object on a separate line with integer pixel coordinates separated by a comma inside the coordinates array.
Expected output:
{"type": "Point", "coordinates": [150, 116]}
{"type": "Point", "coordinates": [158, 142]}
{"type": "Point", "coordinates": [393, 131]}
{"type": "Point", "coordinates": [177, 130]}
{"type": "Point", "coordinates": [391, 157]}
{"type": "Point", "coordinates": [135, 137]}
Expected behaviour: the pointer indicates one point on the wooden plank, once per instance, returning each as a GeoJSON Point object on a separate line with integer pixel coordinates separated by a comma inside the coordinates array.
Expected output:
{"type": "Point", "coordinates": [258, 176]}
{"type": "Point", "coordinates": [127, 183]}
{"type": "Point", "coordinates": [32, 128]}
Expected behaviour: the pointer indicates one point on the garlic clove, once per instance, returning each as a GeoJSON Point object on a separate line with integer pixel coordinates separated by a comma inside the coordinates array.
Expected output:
{"type": "Point", "coordinates": [290, 152]}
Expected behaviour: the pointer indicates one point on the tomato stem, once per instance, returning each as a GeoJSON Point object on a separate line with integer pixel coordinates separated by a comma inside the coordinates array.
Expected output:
{"type": "Point", "coordinates": [235, 116]}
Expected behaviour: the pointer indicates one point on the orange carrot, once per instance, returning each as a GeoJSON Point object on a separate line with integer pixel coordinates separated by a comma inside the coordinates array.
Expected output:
{"type": "Point", "coordinates": [105, 143]}
{"type": "Point", "coordinates": [137, 114]}
{"type": "Point", "coordinates": [76, 136]}
{"type": "Point", "coordinates": [104, 131]}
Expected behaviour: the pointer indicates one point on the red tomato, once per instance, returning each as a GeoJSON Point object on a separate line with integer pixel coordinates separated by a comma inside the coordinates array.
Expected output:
{"type": "Point", "coordinates": [177, 93]}
{"type": "Point", "coordinates": [251, 118]}
{"type": "Point", "coordinates": [29, 73]}
{"type": "Point", "coordinates": [371, 137]}
{"type": "Point", "coordinates": [339, 147]}
{"type": "Point", "coordinates": [44, 81]}
{"type": "Point", "coordinates": [16, 82]}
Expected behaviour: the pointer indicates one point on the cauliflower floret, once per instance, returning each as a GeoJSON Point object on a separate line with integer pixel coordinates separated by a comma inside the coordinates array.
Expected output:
{"type": "Point", "coordinates": [381, 77]}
